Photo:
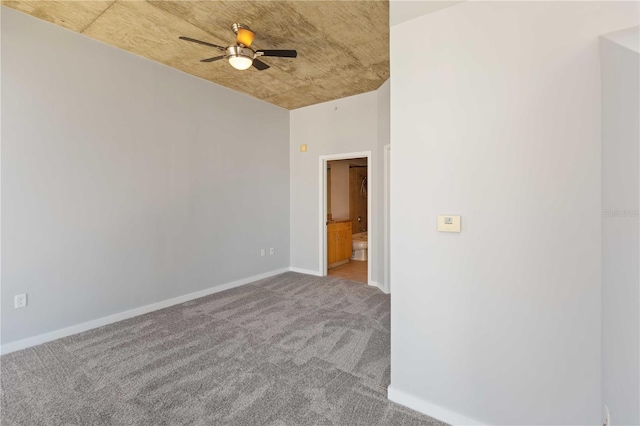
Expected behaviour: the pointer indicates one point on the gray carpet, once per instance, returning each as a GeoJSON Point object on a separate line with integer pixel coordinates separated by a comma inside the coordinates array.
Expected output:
{"type": "Point", "coordinates": [288, 350]}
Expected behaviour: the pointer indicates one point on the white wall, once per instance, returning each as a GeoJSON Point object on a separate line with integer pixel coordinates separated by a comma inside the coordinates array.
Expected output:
{"type": "Point", "coordinates": [339, 190]}
{"type": "Point", "coordinates": [121, 183]}
{"type": "Point", "coordinates": [495, 115]}
{"type": "Point", "coordinates": [404, 10]}
{"type": "Point", "coordinates": [345, 125]}
{"type": "Point", "coordinates": [620, 227]}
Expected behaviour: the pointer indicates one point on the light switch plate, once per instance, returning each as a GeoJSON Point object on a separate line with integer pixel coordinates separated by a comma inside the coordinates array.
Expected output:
{"type": "Point", "coordinates": [448, 223]}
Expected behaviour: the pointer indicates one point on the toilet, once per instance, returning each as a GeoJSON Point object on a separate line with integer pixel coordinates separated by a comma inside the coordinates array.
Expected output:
{"type": "Point", "coordinates": [360, 246]}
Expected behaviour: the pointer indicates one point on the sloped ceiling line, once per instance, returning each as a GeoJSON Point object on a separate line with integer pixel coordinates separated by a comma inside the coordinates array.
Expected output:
{"type": "Point", "coordinates": [97, 17]}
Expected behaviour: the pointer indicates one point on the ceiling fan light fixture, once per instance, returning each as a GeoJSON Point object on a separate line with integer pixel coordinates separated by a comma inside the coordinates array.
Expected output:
{"type": "Point", "coordinates": [245, 37]}
{"type": "Point", "coordinates": [240, 62]}
{"type": "Point", "coordinates": [241, 58]}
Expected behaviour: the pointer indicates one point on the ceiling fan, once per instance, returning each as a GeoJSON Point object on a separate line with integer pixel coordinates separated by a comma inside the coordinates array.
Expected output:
{"type": "Point", "coordinates": [242, 56]}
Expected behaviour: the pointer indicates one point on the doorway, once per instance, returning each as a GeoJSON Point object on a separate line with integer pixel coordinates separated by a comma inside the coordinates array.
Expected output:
{"type": "Point", "coordinates": [346, 216]}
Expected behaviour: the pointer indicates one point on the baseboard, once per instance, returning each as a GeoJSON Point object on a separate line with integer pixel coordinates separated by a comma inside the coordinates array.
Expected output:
{"type": "Point", "coordinates": [89, 325]}
{"type": "Point", "coordinates": [380, 286]}
{"type": "Point", "coordinates": [305, 271]}
{"type": "Point", "coordinates": [432, 410]}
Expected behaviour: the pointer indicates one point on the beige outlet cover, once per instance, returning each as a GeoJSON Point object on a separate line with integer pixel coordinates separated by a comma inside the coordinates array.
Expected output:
{"type": "Point", "coordinates": [448, 223]}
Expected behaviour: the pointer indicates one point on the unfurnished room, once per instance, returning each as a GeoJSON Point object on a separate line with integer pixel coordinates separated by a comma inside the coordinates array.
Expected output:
{"type": "Point", "coordinates": [287, 212]}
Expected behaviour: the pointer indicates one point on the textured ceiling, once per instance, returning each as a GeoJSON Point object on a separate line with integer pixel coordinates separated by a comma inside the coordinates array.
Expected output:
{"type": "Point", "coordinates": [343, 46]}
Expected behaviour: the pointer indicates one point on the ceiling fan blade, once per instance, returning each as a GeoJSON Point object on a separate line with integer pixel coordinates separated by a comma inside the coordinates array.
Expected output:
{"type": "Point", "coordinates": [261, 66]}
{"type": "Point", "coordinates": [279, 53]}
{"type": "Point", "coordinates": [217, 58]}
{"type": "Point", "coordinates": [193, 40]}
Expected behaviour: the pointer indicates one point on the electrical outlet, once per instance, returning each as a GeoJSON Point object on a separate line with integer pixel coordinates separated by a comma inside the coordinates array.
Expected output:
{"type": "Point", "coordinates": [272, 250]}
{"type": "Point", "coordinates": [261, 252]}
{"type": "Point", "coordinates": [607, 416]}
{"type": "Point", "coordinates": [20, 300]}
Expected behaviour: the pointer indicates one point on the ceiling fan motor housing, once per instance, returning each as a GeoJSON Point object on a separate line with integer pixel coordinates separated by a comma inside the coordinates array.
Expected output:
{"type": "Point", "coordinates": [240, 51]}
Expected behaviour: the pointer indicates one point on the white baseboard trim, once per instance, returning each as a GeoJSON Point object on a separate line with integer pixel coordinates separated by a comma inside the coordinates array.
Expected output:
{"type": "Point", "coordinates": [305, 271]}
{"type": "Point", "coordinates": [380, 286]}
{"type": "Point", "coordinates": [89, 325]}
{"type": "Point", "coordinates": [432, 410]}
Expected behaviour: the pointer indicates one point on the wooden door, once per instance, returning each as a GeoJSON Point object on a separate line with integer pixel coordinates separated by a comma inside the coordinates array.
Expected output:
{"type": "Point", "coordinates": [341, 242]}
{"type": "Point", "coordinates": [332, 245]}
{"type": "Point", "coordinates": [338, 242]}
{"type": "Point", "coordinates": [347, 245]}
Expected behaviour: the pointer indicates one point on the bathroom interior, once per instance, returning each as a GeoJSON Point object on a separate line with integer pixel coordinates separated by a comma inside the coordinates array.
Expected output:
{"type": "Point", "coordinates": [347, 227]}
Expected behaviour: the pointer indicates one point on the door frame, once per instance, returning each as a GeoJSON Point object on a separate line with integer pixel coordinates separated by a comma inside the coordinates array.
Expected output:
{"type": "Point", "coordinates": [387, 219]}
{"type": "Point", "coordinates": [323, 207]}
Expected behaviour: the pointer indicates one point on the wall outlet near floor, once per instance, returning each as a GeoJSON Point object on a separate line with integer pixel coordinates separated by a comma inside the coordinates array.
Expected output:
{"type": "Point", "coordinates": [261, 252]}
{"type": "Point", "coordinates": [20, 300]}
{"type": "Point", "coordinates": [272, 250]}
{"type": "Point", "coordinates": [607, 416]}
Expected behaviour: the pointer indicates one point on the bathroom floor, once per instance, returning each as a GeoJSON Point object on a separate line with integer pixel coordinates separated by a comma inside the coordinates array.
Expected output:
{"type": "Point", "coordinates": [355, 270]}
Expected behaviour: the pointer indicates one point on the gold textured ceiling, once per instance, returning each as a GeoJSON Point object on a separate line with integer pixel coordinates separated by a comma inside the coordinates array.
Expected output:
{"type": "Point", "coordinates": [343, 46]}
